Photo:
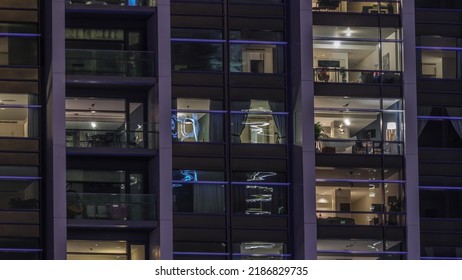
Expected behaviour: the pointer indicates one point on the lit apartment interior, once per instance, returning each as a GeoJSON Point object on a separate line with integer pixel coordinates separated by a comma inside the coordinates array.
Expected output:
{"type": "Point", "coordinates": [16, 119]}
{"type": "Point", "coordinates": [104, 250]}
{"type": "Point", "coordinates": [354, 55]}
{"type": "Point", "coordinates": [359, 125]}
{"type": "Point", "coordinates": [368, 7]}
{"type": "Point", "coordinates": [253, 122]}
{"type": "Point", "coordinates": [98, 122]}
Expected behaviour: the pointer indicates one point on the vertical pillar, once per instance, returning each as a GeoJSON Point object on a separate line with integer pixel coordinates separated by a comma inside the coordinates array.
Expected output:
{"type": "Point", "coordinates": [164, 233]}
{"type": "Point", "coordinates": [411, 132]}
{"type": "Point", "coordinates": [304, 165]}
{"type": "Point", "coordinates": [55, 189]}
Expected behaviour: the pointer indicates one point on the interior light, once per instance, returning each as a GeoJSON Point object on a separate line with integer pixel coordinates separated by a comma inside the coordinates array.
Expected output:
{"type": "Point", "coordinates": [391, 125]}
{"type": "Point", "coordinates": [348, 32]}
{"type": "Point", "coordinates": [93, 124]}
{"type": "Point", "coordinates": [93, 112]}
{"type": "Point", "coordinates": [347, 121]}
{"type": "Point", "coordinates": [336, 44]}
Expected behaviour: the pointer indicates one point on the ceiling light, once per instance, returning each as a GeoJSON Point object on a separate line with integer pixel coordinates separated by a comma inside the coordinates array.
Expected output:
{"type": "Point", "coordinates": [93, 112]}
{"type": "Point", "coordinates": [93, 124]}
{"type": "Point", "coordinates": [347, 122]}
{"type": "Point", "coordinates": [336, 44]}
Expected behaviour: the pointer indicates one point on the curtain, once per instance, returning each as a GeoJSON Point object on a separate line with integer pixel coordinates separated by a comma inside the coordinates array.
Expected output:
{"type": "Point", "coordinates": [209, 198]}
{"type": "Point", "coordinates": [237, 121]}
{"type": "Point", "coordinates": [279, 120]}
{"type": "Point", "coordinates": [216, 128]}
{"type": "Point", "coordinates": [457, 124]}
{"type": "Point", "coordinates": [33, 119]}
{"type": "Point", "coordinates": [422, 111]}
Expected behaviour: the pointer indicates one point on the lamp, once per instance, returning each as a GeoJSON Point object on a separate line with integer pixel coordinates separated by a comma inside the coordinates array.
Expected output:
{"type": "Point", "coordinates": [391, 125]}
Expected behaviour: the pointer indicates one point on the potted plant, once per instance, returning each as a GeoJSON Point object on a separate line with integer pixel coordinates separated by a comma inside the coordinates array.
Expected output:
{"type": "Point", "coordinates": [318, 131]}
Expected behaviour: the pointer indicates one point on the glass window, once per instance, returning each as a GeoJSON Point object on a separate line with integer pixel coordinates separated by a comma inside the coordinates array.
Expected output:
{"type": "Point", "coordinates": [256, 58]}
{"type": "Point", "coordinates": [340, 102]}
{"type": "Point", "coordinates": [256, 35]}
{"type": "Point", "coordinates": [197, 104]}
{"type": "Point", "coordinates": [353, 203]}
{"type": "Point", "coordinates": [190, 175]}
{"type": "Point", "coordinates": [212, 247]}
{"type": "Point", "coordinates": [368, 174]}
{"type": "Point", "coordinates": [19, 122]}
{"type": "Point", "coordinates": [442, 204]}
{"type": "Point", "coordinates": [259, 176]}
{"type": "Point", "coordinates": [439, 64]}
{"type": "Point", "coordinates": [18, 28]}
{"type": "Point", "coordinates": [436, 41]}
{"type": "Point", "coordinates": [255, 250]}
{"type": "Point", "coordinates": [355, 32]}
{"type": "Point", "coordinates": [194, 56]}
{"type": "Point", "coordinates": [97, 250]}
{"type": "Point", "coordinates": [345, 129]}
{"type": "Point", "coordinates": [259, 199]}
{"type": "Point", "coordinates": [199, 198]}
{"type": "Point", "coordinates": [95, 34]}
{"type": "Point", "coordinates": [353, 6]}
{"type": "Point", "coordinates": [356, 249]}
{"type": "Point", "coordinates": [19, 194]}
{"type": "Point", "coordinates": [114, 123]}
{"type": "Point", "coordinates": [15, 51]}
{"type": "Point", "coordinates": [197, 33]}
{"type": "Point", "coordinates": [197, 127]}
{"type": "Point", "coordinates": [258, 121]}
{"type": "Point", "coordinates": [24, 4]}
{"type": "Point", "coordinates": [439, 4]}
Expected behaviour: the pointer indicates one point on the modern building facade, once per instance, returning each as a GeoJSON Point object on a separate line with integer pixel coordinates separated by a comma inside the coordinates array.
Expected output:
{"type": "Point", "coordinates": [230, 129]}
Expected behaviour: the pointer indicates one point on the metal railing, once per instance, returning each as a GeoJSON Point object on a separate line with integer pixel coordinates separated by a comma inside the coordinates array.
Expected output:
{"type": "Point", "coordinates": [89, 134]}
{"type": "Point", "coordinates": [110, 63]}
{"type": "Point", "coordinates": [359, 147]}
{"type": "Point", "coordinates": [354, 6]}
{"type": "Point", "coordinates": [129, 3]}
{"type": "Point", "coordinates": [341, 75]}
{"type": "Point", "coordinates": [109, 206]}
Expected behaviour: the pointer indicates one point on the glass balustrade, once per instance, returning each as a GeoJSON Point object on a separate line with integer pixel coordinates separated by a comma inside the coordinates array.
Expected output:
{"type": "Point", "coordinates": [354, 6]}
{"type": "Point", "coordinates": [90, 134]}
{"type": "Point", "coordinates": [131, 3]}
{"type": "Point", "coordinates": [109, 63]}
{"type": "Point", "coordinates": [111, 206]}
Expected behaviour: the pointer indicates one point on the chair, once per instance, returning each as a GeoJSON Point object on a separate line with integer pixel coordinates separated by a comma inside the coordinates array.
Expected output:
{"type": "Point", "coordinates": [90, 139]}
{"type": "Point", "coordinates": [377, 148]}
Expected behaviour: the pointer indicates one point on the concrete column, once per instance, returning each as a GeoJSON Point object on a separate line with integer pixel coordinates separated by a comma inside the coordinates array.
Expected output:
{"type": "Point", "coordinates": [304, 165]}
{"type": "Point", "coordinates": [411, 132]}
{"type": "Point", "coordinates": [55, 163]}
{"type": "Point", "coordinates": [164, 233]}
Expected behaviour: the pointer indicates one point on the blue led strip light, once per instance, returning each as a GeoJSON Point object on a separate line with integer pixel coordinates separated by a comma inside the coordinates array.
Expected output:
{"type": "Point", "coordinates": [19, 35]}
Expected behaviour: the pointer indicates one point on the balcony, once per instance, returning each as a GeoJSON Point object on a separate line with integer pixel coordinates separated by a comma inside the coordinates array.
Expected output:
{"type": "Point", "coordinates": [341, 75]}
{"type": "Point", "coordinates": [127, 3]}
{"type": "Point", "coordinates": [354, 6]}
{"type": "Point", "coordinates": [110, 63]}
{"type": "Point", "coordinates": [355, 147]}
{"type": "Point", "coordinates": [110, 209]}
{"type": "Point", "coordinates": [104, 136]}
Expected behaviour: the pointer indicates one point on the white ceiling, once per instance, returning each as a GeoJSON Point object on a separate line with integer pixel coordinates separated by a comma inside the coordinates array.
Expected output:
{"type": "Point", "coordinates": [96, 247]}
